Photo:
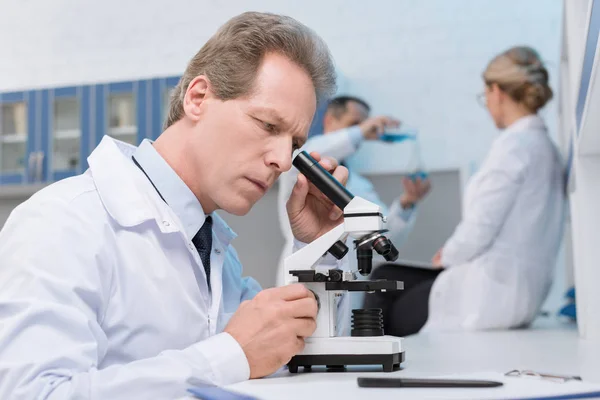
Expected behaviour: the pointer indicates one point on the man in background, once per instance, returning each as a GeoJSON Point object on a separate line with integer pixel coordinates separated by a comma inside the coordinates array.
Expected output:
{"type": "Point", "coordinates": [346, 125]}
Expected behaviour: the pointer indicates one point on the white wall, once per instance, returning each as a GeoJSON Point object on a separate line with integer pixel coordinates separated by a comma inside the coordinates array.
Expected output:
{"type": "Point", "coordinates": [418, 59]}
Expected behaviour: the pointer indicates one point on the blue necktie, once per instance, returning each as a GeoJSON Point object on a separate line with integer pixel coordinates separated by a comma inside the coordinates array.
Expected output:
{"type": "Point", "coordinates": [203, 243]}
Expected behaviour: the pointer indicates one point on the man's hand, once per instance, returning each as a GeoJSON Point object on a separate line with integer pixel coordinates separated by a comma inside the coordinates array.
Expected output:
{"type": "Point", "coordinates": [372, 127]}
{"type": "Point", "coordinates": [310, 212]}
{"type": "Point", "coordinates": [414, 191]}
{"type": "Point", "coordinates": [436, 261]}
{"type": "Point", "coordinates": [271, 327]}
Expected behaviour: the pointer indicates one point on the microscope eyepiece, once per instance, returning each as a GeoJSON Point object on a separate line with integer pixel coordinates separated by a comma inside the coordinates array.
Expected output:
{"type": "Point", "coordinates": [322, 179]}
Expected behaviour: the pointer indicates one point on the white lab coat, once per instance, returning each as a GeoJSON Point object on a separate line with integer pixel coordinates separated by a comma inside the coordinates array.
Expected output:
{"type": "Point", "coordinates": [99, 297]}
{"type": "Point", "coordinates": [399, 222]}
{"type": "Point", "coordinates": [501, 257]}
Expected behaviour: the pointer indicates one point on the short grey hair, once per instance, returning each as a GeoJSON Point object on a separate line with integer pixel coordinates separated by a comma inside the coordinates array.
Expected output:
{"type": "Point", "coordinates": [231, 58]}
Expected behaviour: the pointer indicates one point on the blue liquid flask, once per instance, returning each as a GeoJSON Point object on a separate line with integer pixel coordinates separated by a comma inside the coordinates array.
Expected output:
{"type": "Point", "coordinates": [410, 136]}
{"type": "Point", "coordinates": [416, 168]}
{"type": "Point", "coordinates": [397, 136]}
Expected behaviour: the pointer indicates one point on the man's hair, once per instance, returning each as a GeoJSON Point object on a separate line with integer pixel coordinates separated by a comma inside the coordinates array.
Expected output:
{"type": "Point", "coordinates": [230, 59]}
{"type": "Point", "coordinates": [339, 105]}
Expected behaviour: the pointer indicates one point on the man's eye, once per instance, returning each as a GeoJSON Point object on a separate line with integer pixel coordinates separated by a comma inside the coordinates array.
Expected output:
{"type": "Point", "coordinates": [295, 146]}
{"type": "Point", "coordinates": [269, 127]}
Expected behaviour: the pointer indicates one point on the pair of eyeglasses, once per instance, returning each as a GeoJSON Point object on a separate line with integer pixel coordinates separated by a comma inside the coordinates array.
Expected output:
{"type": "Point", "coordinates": [550, 377]}
{"type": "Point", "coordinates": [481, 100]}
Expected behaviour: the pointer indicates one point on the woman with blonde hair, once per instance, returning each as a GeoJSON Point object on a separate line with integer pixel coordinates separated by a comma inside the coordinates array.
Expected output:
{"type": "Point", "coordinates": [497, 267]}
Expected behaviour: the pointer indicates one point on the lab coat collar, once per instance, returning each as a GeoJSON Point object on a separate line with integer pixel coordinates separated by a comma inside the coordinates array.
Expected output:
{"type": "Point", "coordinates": [172, 188]}
{"type": "Point", "coordinates": [129, 196]}
{"type": "Point", "coordinates": [529, 123]}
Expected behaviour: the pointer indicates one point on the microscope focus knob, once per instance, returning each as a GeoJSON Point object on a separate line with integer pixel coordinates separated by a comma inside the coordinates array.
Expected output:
{"type": "Point", "coordinates": [338, 250]}
{"type": "Point", "coordinates": [319, 277]}
{"type": "Point", "coordinates": [335, 275]}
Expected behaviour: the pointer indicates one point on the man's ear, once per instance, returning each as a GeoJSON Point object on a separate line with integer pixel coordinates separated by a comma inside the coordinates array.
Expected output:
{"type": "Point", "coordinates": [197, 92]}
{"type": "Point", "coordinates": [328, 119]}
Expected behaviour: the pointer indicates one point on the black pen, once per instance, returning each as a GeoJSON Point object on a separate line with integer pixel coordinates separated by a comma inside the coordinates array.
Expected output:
{"type": "Point", "coordinates": [425, 383]}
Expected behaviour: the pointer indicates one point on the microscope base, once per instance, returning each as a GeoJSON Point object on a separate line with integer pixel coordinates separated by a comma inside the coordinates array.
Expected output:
{"type": "Point", "coordinates": [338, 352]}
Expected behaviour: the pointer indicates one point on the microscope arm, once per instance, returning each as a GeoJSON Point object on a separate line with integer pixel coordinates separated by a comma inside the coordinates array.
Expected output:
{"type": "Point", "coordinates": [309, 255]}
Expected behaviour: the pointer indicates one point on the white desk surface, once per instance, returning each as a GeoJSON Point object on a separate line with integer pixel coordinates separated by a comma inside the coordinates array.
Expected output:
{"type": "Point", "coordinates": [546, 347]}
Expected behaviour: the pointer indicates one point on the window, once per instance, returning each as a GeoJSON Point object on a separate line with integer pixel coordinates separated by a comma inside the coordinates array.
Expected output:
{"type": "Point", "coordinates": [121, 117]}
{"type": "Point", "coordinates": [13, 137]}
{"type": "Point", "coordinates": [67, 134]}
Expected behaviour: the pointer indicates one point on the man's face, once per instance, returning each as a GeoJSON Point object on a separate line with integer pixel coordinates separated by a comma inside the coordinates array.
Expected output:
{"type": "Point", "coordinates": [354, 115]}
{"type": "Point", "coordinates": [243, 145]}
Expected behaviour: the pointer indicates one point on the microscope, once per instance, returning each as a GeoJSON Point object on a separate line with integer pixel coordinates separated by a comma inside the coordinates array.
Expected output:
{"type": "Point", "coordinates": [363, 222]}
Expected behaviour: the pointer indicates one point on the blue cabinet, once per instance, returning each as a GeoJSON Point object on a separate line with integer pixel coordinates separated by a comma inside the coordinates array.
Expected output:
{"type": "Point", "coordinates": [47, 134]}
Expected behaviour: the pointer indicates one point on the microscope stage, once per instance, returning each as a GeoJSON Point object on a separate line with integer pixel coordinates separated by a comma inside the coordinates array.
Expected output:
{"type": "Point", "coordinates": [339, 352]}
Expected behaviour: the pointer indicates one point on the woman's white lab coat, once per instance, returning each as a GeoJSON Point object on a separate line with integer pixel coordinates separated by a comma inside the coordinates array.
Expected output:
{"type": "Point", "coordinates": [501, 257]}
